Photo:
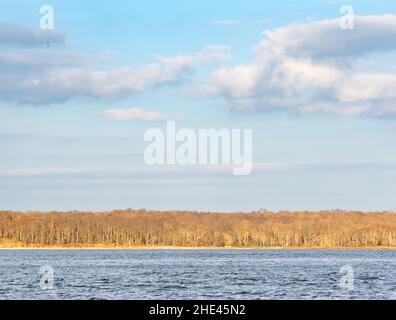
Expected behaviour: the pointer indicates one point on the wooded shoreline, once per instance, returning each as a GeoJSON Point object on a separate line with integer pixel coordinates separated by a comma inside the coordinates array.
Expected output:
{"type": "Point", "coordinates": [141, 229]}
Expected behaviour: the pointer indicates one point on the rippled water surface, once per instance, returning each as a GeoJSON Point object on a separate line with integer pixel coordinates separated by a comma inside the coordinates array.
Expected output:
{"type": "Point", "coordinates": [198, 274]}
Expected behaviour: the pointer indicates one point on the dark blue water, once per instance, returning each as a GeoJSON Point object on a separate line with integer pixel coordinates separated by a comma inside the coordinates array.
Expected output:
{"type": "Point", "coordinates": [197, 274]}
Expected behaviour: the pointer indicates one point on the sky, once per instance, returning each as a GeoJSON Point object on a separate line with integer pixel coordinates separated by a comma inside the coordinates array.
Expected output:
{"type": "Point", "coordinates": [76, 101]}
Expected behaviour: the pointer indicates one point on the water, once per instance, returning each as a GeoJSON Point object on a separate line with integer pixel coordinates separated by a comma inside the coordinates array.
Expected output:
{"type": "Point", "coordinates": [197, 274]}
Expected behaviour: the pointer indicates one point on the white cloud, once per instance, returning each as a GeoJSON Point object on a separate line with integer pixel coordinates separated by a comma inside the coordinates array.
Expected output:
{"type": "Point", "coordinates": [305, 73]}
{"type": "Point", "coordinates": [181, 172]}
{"type": "Point", "coordinates": [325, 38]}
{"type": "Point", "coordinates": [42, 76]}
{"type": "Point", "coordinates": [168, 70]}
{"type": "Point", "coordinates": [314, 67]}
{"type": "Point", "coordinates": [214, 53]}
{"type": "Point", "coordinates": [224, 80]}
{"type": "Point", "coordinates": [260, 21]}
{"type": "Point", "coordinates": [11, 34]}
{"type": "Point", "coordinates": [49, 83]}
{"type": "Point", "coordinates": [135, 171]}
{"type": "Point", "coordinates": [233, 22]}
{"type": "Point", "coordinates": [226, 22]}
{"type": "Point", "coordinates": [138, 114]}
{"type": "Point", "coordinates": [31, 172]}
{"type": "Point", "coordinates": [368, 86]}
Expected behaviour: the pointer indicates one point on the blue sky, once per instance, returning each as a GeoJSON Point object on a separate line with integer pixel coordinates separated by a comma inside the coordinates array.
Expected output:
{"type": "Point", "coordinates": [319, 99]}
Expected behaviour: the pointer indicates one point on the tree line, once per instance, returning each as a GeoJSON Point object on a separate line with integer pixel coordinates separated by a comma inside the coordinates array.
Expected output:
{"type": "Point", "coordinates": [136, 228]}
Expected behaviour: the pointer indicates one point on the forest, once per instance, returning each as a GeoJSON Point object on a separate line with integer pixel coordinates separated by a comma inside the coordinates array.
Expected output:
{"type": "Point", "coordinates": [141, 228]}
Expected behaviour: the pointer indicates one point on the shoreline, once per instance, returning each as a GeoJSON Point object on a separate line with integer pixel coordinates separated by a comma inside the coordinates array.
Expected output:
{"type": "Point", "coordinates": [187, 248]}
{"type": "Point", "coordinates": [177, 230]}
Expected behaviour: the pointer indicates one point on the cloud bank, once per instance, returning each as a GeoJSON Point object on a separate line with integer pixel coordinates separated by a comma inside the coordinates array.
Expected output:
{"type": "Point", "coordinates": [15, 35]}
{"type": "Point", "coordinates": [315, 67]}
{"type": "Point", "coordinates": [32, 73]}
